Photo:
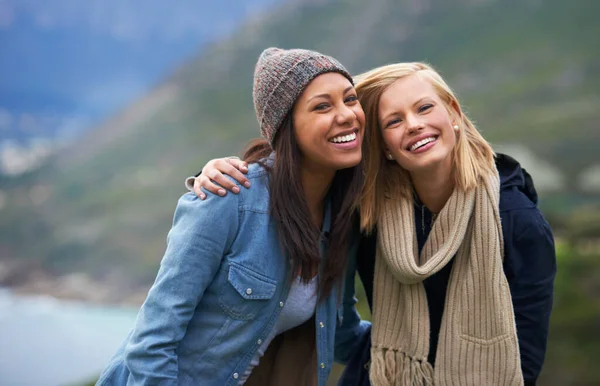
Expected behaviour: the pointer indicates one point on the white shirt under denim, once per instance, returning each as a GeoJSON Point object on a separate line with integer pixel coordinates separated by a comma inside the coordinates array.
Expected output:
{"type": "Point", "coordinates": [222, 281]}
{"type": "Point", "coordinates": [299, 307]}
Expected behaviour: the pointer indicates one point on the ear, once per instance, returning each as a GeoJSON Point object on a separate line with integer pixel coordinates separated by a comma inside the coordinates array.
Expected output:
{"type": "Point", "coordinates": [455, 110]}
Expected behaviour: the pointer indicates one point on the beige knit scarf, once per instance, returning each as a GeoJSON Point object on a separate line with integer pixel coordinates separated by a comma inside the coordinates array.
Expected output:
{"type": "Point", "coordinates": [478, 340]}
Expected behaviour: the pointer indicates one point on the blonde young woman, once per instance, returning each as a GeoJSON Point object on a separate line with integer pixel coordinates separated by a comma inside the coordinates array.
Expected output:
{"type": "Point", "coordinates": [457, 262]}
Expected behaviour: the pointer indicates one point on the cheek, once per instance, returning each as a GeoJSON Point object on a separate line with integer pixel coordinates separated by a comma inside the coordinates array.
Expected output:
{"type": "Point", "coordinates": [300, 135]}
{"type": "Point", "coordinates": [452, 137]}
{"type": "Point", "coordinates": [303, 141]}
{"type": "Point", "coordinates": [392, 140]}
{"type": "Point", "coordinates": [310, 136]}
{"type": "Point", "coordinates": [360, 114]}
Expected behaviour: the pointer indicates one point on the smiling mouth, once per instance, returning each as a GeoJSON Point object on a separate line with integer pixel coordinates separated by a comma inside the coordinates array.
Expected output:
{"type": "Point", "coordinates": [422, 143]}
{"type": "Point", "coordinates": [344, 138]}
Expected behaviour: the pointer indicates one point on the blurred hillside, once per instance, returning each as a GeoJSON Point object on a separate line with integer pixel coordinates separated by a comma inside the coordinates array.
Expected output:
{"type": "Point", "coordinates": [96, 216]}
{"type": "Point", "coordinates": [66, 64]}
{"type": "Point", "coordinates": [92, 222]}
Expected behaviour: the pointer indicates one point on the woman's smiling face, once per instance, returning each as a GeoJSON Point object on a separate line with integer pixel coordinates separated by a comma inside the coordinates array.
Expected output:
{"type": "Point", "coordinates": [416, 125]}
{"type": "Point", "coordinates": [329, 123]}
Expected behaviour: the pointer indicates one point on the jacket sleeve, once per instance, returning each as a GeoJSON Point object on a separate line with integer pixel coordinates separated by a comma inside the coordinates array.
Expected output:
{"type": "Point", "coordinates": [348, 333]}
{"type": "Point", "coordinates": [202, 233]}
{"type": "Point", "coordinates": [530, 267]}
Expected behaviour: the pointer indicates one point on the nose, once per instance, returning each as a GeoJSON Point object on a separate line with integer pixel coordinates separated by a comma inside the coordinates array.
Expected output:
{"type": "Point", "coordinates": [413, 123]}
{"type": "Point", "coordinates": [345, 115]}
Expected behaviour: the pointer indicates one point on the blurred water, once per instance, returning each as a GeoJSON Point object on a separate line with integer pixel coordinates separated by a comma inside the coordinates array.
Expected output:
{"type": "Point", "coordinates": [44, 341]}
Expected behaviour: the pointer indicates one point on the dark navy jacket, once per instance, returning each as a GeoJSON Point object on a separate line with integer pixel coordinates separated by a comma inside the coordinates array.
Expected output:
{"type": "Point", "coordinates": [529, 266]}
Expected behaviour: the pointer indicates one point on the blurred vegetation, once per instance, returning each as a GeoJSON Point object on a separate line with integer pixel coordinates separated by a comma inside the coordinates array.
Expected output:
{"type": "Point", "coordinates": [574, 343]}
{"type": "Point", "coordinates": [527, 72]}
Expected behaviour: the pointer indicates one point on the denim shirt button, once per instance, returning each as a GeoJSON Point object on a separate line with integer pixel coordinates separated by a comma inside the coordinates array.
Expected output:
{"type": "Point", "coordinates": [259, 341]}
{"type": "Point", "coordinates": [321, 324]}
{"type": "Point", "coordinates": [280, 304]}
{"type": "Point", "coordinates": [322, 365]}
{"type": "Point", "coordinates": [249, 291]}
{"type": "Point", "coordinates": [236, 375]}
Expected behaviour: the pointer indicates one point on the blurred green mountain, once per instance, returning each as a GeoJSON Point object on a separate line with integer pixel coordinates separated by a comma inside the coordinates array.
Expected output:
{"type": "Point", "coordinates": [528, 72]}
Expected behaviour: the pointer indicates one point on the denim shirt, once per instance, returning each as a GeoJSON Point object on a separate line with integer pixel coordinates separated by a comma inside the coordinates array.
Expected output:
{"type": "Point", "coordinates": [221, 285]}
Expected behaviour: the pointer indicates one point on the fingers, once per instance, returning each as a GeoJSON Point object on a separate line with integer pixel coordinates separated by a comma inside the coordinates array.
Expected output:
{"type": "Point", "coordinates": [203, 182]}
{"type": "Point", "coordinates": [235, 170]}
{"type": "Point", "coordinates": [238, 164]}
{"type": "Point", "coordinates": [213, 178]}
{"type": "Point", "coordinates": [216, 183]}
{"type": "Point", "coordinates": [198, 189]}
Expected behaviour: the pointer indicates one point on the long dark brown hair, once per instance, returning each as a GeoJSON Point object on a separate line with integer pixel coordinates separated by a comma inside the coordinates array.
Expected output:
{"type": "Point", "coordinates": [298, 235]}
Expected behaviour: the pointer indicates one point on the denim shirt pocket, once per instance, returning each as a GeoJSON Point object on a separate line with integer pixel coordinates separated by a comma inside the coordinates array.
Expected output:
{"type": "Point", "coordinates": [246, 292]}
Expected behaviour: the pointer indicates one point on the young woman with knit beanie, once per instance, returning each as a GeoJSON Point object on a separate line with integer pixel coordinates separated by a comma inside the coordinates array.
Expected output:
{"type": "Point", "coordinates": [457, 261]}
{"type": "Point", "coordinates": [249, 290]}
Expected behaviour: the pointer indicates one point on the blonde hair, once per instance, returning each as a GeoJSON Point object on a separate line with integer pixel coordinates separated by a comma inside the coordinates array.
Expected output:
{"type": "Point", "coordinates": [472, 156]}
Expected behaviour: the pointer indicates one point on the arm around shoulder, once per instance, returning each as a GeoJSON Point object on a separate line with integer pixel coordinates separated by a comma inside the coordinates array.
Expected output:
{"type": "Point", "coordinates": [202, 233]}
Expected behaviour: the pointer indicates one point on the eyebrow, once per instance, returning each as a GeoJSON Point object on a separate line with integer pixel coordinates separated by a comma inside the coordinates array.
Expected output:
{"type": "Point", "coordinates": [420, 100]}
{"type": "Point", "coordinates": [325, 95]}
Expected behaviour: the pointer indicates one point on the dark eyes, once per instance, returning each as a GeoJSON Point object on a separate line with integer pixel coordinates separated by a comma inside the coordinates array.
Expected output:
{"type": "Point", "coordinates": [422, 109]}
{"type": "Point", "coordinates": [425, 108]}
{"type": "Point", "coordinates": [324, 106]}
{"type": "Point", "coordinates": [393, 122]}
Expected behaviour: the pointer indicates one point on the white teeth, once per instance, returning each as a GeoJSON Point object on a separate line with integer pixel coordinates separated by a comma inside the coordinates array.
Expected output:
{"type": "Point", "coordinates": [421, 143]}
{"type": "Point", "coordinates": [344, 138]}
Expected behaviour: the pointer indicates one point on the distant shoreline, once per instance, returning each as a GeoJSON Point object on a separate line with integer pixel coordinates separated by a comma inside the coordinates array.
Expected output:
{"type": "Point", "coordinates": [25, 280]}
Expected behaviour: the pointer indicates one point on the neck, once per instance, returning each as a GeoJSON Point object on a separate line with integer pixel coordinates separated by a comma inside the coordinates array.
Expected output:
{"type": "Point", "coordinates": [316, 183]}
{"type": "Point", "coordinates": [434, 187]}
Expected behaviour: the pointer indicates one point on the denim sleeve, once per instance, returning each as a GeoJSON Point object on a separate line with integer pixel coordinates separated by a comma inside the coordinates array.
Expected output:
{"type": "Point", "coordinates": [531, 264]}
{"type": "Point", "coordinates": [202, 233]}
{"type": "Point", "coordinates": [348, 334]}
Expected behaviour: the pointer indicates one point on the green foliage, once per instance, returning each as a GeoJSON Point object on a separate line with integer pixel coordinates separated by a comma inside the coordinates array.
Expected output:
{"type": "Point", "coordinates": [574, 342]}
{"type": "Point", "coordinates": [583, 225]}
{"type": "Point", "coordinates": [527, 72]}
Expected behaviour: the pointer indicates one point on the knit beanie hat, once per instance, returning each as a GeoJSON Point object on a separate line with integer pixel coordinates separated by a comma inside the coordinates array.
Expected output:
{"type": "Point", "coordinates": [280, 77]}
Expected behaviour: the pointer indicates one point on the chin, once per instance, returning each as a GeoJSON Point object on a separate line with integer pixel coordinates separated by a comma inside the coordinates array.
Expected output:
{"type": "Point", "coordinates": [348, 162]}
{"type": "Point", "coordinates": [428, 162]}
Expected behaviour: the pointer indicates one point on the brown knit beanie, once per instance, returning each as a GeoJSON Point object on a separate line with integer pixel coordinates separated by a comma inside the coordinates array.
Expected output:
{"type": "Point", "coordinates": [280, 77]}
